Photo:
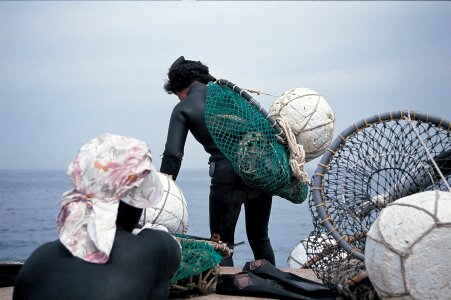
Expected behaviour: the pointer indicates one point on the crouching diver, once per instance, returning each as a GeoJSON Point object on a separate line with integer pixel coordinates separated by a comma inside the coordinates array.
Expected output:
{"type": "Point", "coordinates": [97, 256]}
{"type": "Point", "coordinates": [187, 79]}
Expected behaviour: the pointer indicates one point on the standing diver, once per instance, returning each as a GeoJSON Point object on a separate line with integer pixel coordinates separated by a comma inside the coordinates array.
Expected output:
{"type": "Point", "coordinates": [187, 80]}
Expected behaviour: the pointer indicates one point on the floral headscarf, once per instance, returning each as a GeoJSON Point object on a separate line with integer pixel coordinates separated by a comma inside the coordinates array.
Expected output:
{"type": "Point", "coordinates": [106, 170]}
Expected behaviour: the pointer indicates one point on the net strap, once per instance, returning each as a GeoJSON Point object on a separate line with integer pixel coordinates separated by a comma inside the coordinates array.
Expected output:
{"type": "Point", "coordinates": [297, 153]}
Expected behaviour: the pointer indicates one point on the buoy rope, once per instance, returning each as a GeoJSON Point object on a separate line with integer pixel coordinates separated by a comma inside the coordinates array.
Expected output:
{"type": "Point", "coordinates": [258, 92]}
{"type": "Point", "coordinates": [297, 153]}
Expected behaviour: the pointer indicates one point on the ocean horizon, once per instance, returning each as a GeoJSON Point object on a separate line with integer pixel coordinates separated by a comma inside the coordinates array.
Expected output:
{"type": "Point", "coordinates": [29, 204]}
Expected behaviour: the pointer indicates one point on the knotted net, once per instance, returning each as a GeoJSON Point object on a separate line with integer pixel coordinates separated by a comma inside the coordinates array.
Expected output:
{"type": "Point", "coordinates": [197, 257]}
{"type": "Point", "coordinates": [251, 141]}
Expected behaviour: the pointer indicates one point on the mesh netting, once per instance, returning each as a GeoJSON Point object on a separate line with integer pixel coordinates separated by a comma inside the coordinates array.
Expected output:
{"type": "Point", "coordinates": [197, 257]}
{"type": "Point", "coordinates": [243, 134]}
{"type": "Point", "coordinates": [372, 163]}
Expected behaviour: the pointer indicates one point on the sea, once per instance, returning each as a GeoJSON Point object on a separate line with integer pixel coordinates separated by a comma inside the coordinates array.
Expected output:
{"type": "Point", "coordinates": [29, 204]}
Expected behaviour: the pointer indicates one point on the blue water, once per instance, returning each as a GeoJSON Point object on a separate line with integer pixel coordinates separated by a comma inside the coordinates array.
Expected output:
{"type": "Point", "coordinates": [29, 204]}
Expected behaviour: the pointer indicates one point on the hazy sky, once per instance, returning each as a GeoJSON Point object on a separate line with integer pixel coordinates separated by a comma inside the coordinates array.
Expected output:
{"type": "Point", "coordinates": [70, 71]}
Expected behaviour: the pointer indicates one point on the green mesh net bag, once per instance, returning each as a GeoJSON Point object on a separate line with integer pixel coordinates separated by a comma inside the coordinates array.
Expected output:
{"type": "Point", "coordinates": [250, 139]}
{"type": "Point", "coordinates": [197, 257]}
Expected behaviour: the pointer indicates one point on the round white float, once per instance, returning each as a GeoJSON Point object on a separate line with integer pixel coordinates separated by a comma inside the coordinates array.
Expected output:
{"type": "Point", "coordinates": [299, 255]}
{"type": "Point", "coordinates": [310, 118]}
{"type": "Point", "coordinates": [171, 211]}
{"type": "Point", "coordinates": [408, 248]}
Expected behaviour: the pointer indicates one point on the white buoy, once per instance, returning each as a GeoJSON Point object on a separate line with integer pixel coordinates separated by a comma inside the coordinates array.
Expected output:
{"type": "Point", "coordinates": [313, 246]}
{"type": "Point", "coordinates": [298, 256]}
{"type": "Point", "coordinates": [310, 118]}
{"type": "Point", "coordinates": [171, 211]}
{"type": "Point", "coordinates": [408, 248]}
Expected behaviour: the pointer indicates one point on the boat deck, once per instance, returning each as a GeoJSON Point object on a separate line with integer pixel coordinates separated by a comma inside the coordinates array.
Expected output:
{"type": "Point", "coordinates": [6, 292]}
{"type": "Point", "coordinates": [306, 273]}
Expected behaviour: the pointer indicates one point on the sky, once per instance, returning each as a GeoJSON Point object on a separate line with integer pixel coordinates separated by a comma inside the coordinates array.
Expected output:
{"type": "Point", "coordinates": [71, 71]}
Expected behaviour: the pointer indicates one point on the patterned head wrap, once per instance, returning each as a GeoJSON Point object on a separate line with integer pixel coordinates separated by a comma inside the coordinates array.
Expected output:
{"type": "Point", "coordinates": [106, 170]}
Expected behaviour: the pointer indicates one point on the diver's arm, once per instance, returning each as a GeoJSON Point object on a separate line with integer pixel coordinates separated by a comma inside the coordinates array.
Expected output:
{"type": "Point", "coordinates": [175, 143]}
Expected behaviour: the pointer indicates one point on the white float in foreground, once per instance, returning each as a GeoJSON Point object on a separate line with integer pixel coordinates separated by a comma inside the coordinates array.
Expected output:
{"type": "Point", "coordinates": [408, 248]}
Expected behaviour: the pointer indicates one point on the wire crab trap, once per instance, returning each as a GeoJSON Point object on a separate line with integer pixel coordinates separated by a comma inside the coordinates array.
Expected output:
{"type": "Point", "coordinates": [252, 141]}
{"type": "Point", "coordinates": [369, 165]}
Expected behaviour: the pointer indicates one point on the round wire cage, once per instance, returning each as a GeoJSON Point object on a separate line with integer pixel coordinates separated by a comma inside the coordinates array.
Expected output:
{"type": "Point", "coordinates": [369, 165]}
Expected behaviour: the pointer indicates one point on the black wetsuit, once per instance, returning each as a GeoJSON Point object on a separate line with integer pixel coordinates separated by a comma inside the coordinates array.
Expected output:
{"type": "Point", "coordinates": [227, 190]}
{"type": "Point", "coordinates": [139, 267]}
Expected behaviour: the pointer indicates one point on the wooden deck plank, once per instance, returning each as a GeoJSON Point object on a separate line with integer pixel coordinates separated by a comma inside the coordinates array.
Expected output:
{"type": "Point", "coordinates": [211, 295]}
{"type": "Point", "coordinates": [6, 293]}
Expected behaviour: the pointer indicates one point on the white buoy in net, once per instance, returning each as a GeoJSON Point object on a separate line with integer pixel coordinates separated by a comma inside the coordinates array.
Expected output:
{"type": "Point", "coordinates": [408, 248]}
{"type": "Point", "coordinates": [310, 118]}
{"type": "Point", "coordinates": [299, 256]}
{"type": "Point", "coordinates": [171, 211]}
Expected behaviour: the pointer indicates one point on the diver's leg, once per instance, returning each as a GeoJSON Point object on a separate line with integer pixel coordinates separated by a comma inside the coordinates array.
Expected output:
{"type": "Point", "coordinates": [225, 207]}
{"type": "Point", "coordinates": [257, 212]}
{"type": "Point", "coordinates": [227, 194]}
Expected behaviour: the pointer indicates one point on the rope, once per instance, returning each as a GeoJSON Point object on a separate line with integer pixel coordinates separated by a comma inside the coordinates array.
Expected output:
{"type": "Point", "coordinates": [258, 92]}
{"type": "Point", "coordinates": [409, 120]}
{"type": "Point", "coordinates": [297, 153]}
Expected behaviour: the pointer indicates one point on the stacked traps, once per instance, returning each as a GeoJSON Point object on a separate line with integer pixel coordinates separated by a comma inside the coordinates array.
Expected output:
{"type": "Point", "coordinates": [369, 165]}
{"type": "Point", "coordinates": [252, 141]}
